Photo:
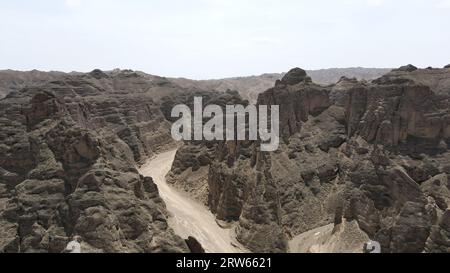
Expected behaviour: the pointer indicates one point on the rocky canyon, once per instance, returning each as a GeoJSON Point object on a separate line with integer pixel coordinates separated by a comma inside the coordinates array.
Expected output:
{"type": "Point", "coordinates": [364, 155]}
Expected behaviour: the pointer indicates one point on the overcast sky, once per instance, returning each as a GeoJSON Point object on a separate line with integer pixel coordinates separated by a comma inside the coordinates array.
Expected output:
{"type": "Point", "coordinates": [220, 38]}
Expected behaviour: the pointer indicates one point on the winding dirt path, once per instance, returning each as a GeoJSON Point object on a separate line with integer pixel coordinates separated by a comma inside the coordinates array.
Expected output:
{"type": "Point", "coordinates": [189, 218]}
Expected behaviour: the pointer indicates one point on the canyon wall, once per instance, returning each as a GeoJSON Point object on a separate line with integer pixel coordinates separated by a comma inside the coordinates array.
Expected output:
{"type": "Point", "coordinates": [371, 153]}
{"type": "Point", "coordinates": [68, 156]}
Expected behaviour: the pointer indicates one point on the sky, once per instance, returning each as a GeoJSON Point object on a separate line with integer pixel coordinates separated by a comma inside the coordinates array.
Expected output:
{"type": "Point", "coordinates": [205, 39]}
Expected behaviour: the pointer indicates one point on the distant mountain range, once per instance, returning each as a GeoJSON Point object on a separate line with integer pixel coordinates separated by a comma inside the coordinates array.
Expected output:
{"type": "Point", "coordinates": [249, 87]}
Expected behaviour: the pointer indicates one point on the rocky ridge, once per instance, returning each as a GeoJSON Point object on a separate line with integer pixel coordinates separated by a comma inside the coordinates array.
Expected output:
{"type": "Point", "coordinates": [68, 156]}
{"type": "Point", "coordinates": [250, 87]}
{"type": "Point", "coordinates": [374, 154]}
{"type": "Point", "coordinates": [11, 80]}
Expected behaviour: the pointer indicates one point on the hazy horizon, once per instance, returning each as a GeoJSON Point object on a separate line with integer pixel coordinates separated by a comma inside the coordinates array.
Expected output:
{"type": "Point", "coordinates": [205, 79]}
{"type": "Point", "coordinates": [214, 39]}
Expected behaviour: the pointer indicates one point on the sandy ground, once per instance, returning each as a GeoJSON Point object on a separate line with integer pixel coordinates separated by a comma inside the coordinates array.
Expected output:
{"type": "Point", "coordinates": [189, 218]}
{"type": "Point", "coordinates": [345, 238]}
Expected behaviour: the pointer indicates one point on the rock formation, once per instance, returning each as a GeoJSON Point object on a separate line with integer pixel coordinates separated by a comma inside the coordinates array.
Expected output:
{"type": "Point", "coordinates": [374, 154]}
{"type": "Point", "coordinates": [194, 245]}
{"type": "Point", "coordinates": [69, 151]}
{"type": "Point", "coordinates": [190, 168]}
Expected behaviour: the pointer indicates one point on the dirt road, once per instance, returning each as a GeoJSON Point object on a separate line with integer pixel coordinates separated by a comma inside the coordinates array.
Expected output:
{"type": "Point", "coordinates": [189, 217]}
